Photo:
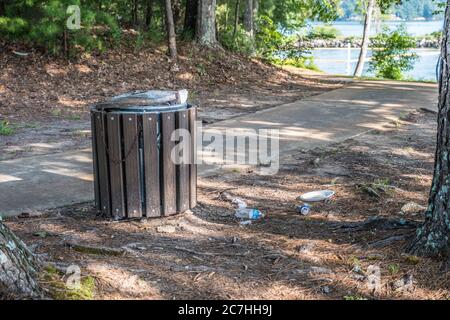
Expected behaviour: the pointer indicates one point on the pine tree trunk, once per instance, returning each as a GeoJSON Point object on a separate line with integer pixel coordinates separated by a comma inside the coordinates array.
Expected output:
{"type": "Point", "coordinates": [18, 267]}
{"type": "Point", "coordinates": [365, 40]}
{"type": "Point", "coordinates": [171, 37]}
{"type": "Point", "coordinates": [248, 18]}
{"type": "Point", "coordinates": [206, 23]}
{"type": "Point", "coordinates": [432, 238]}
{"type": "Point", "coordinates": [190, 17]}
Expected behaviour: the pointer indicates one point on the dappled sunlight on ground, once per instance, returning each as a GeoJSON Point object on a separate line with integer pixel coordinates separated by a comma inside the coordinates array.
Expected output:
{"type": "Point", "coordinates": [207, 254]}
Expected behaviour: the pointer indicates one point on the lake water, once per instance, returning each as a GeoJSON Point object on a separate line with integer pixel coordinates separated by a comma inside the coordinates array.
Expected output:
{"type": "Point", "coordinates": [343, 61]}
{"type": "Point", "coordinates": [335, 61]}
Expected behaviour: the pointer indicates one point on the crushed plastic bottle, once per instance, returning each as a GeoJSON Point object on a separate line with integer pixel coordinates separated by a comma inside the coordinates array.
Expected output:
{"type": "Point", "coordinates": [248, 213]}
{"type": "Point", "coordinates": [243, 212]}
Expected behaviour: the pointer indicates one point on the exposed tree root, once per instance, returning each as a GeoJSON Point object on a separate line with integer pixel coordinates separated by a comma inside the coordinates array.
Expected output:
{"type": "Point", "coordinates": [378, 223]}
{"type": "Point", "coordinates": [387, 241]}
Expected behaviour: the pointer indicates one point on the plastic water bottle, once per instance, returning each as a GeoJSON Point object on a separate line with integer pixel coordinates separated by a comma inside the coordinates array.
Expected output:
{"type": "Point", "coordinates": [248, 213]}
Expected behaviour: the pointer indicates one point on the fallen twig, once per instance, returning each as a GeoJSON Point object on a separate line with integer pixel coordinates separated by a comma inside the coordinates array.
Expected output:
{"type": "Point", "coordinates": [426, 110]}
{"type": "Point", "coordinates": [385, 242]}
{"type": "Point", "coordinates": [377, 223]}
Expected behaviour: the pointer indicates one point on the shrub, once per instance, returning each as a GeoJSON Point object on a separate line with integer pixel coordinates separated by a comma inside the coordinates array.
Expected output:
{"type": "Point", "coordinates": [43, 24]}
{"type": "Point", "coordinates": [391, 53]}
{"type": "Point", "coordinates": [239, 42]}
{"type": "Point", "coordinates": [323, 32]}
{"type": "Point", "coordinates": [269, 44]}
{"type": "Point", "coordinates": [5, 128]}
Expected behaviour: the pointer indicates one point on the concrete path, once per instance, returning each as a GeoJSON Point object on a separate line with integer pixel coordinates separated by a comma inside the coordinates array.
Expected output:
{"type": "Point", "coordinates": [54, 180]}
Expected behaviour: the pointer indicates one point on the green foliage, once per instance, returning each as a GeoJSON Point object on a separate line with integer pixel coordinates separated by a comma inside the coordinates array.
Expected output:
{"type": "Point", "coordinates": [269, 44]}
{"type": "Point", "coordinates": [391, 55]}
{"type": "Point", "coordinates": [292, 14]}
{"type": "Point", "coordinates": [236, 42]}
{"type": "Point", "coordinates": [58, 289]}
{"type": "Point", "coordinates": [324, 32]}
{"type": "Point", "coordinates": [269, 40]}
{"type": "Point", "coordinates": [5, 128]}
{"type": "Point", "coordinates": [394, 268]}
{"type": "Point", "coordinates": [43, 23]}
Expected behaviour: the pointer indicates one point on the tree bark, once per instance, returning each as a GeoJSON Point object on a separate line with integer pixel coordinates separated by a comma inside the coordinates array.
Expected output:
{"type": "Point", "coordinates": [432, 238]}
{"type": "Point", "coordinates": [171, 37]}
{"type": "Point", "coordinates": [18, 267]}
{"type": "Point", "coordinates": [190, 17]}
{"type": "Point", "coordinates": [236, 17]}
{"type": "Point", "coordinates": [206, 23]}
{"type": "Point", "coordinates": [248, 18]}
{"type": "Point", "coordinates": [135, 13]}
{"type": "Point", "coordinates": [149, 13]}
{"type": "Point", "coordinates": [255, 14]}
{"type": "Point", "coordinates": [2, 7]}
{"type": "Point", "coordinates": [365, 40]}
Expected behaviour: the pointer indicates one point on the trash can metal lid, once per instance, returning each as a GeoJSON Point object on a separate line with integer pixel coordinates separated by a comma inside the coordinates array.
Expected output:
{"type": "Point", "coordinates": [153, 99]}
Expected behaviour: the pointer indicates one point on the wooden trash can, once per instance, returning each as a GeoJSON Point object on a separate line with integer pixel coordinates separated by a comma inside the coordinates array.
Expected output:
{"type": "Point", "coordinates": [133, 140]}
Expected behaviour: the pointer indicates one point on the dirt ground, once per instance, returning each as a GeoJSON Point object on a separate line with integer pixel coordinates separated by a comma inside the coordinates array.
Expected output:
{"type": "Point", "coordinates": [208, 254]}
{"type": "Point", "coordinates": [46, 101]}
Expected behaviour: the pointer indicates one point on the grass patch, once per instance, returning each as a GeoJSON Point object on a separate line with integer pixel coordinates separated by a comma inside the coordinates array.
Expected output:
{"type": "Point", "coordinates": [54, 281]}
{"type": "Point", "coordinates": [302, 63]}
{"type": "Point", "coordinates": [6, 129]}
{"type": "Point", "coordinates": [73, 117]}
{"type": "Point", "coordinates": [394, 268]}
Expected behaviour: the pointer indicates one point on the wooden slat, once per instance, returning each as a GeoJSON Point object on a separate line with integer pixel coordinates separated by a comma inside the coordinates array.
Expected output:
{"type": "Point", "coordinates": [94, 161]}
{"type": "Point", "coordinates": [151, 167]}
{"type": "Point", "coordinates": [193, 166]}
{"type": "Point", "coordinates": [182, 169]}
{"type": "Point", "coordinates": [103, 177]}
{"type": "Point", "coordinates": [115, 166]}
{"type": "Point", "coordinates": [132, 170]}
{"type": "Point", "coordinates": [169, 204]}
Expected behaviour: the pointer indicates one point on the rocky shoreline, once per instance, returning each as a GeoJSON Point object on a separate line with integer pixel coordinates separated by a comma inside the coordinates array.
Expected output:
{"type": "Point", "coordinates": [356, 43]}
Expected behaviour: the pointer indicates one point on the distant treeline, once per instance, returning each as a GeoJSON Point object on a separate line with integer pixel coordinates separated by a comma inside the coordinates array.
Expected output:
{"type": "Point", "coordinates": [407, 10]}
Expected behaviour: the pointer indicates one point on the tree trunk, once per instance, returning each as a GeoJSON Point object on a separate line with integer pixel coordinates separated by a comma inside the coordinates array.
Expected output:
{"type": "Point", "coordinates": [135, 13]}
{"type": "Point", "coordinates": [248, 18]}
{"type": "Point", "coordinates": [432, 238]}
{"type": "Point", "coordinates": [365, 40]}
{"type": "Point", "coordinates": [255, 14]}
{"type": "Point", "coordinates": [190, 17]}
{"type": "Point", "coordinates": [171, 37]}
{"type": "Point", "coordinates": [206, 23]}
{"type": "Point", "coordinates": [149, 13]}
{"type": "Point", "coordinates": [2, 7]}
{"type": "Point", "coordinates": [18, 267]}
{"type": "Point", "coordinates": [236, 17]}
